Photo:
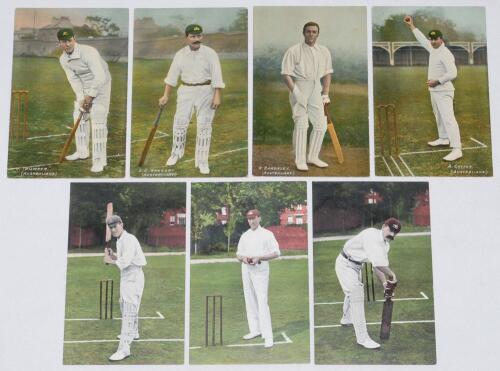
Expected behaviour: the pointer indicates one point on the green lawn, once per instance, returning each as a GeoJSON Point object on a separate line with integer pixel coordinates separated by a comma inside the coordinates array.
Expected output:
{"type": "Point", "coordinates": [163, 292]}
{"type": "Point", "coordinates": [288, 301]}
{"type": "Point", "coordinates": [412, 343]}
{"type": "Point", "coordinates": [405, 88]}
{"type": "Point", "coordinates": [50, 117]}
{"type": "Point", "coordinates": [228, 151]}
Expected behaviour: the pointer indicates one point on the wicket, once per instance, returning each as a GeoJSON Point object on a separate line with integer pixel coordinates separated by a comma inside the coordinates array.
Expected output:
{"type": "Point", "coordinates": [106, 289]}
{"type": "Point", "coordinates": [19, 115]}
{"type": "Point", "coordinates": [367, 277]}
{"type": "Point", "coordinates": [211, 302]}
{"type": "Point", "coordinates": [388, 129]}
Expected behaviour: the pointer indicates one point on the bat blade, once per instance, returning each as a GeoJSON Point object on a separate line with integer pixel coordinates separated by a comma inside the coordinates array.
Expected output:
{"type": "Point", "coordinates": [109, 212]}
{"type": "Point", "coordinates": [333, 136]}
{"type": "Point", "coordinates": [150, 137]}
{"type": "Point", "coordinates": [385, 326]}
{"type": "Point", "coordinates": [65, 149]}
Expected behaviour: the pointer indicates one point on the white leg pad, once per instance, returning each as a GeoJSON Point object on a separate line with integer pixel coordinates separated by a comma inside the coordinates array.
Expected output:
{"type": "Point", "coordinates": [300, 141]}
{"type": "Point", "coordinates": [315, 142]}
{"type": "Point", "coordinates": [99, 143]}
{"type": "Point", "coordinates": [179, 136]}
{"type": "Point", "coordinates": [203, 137]}
{"type": "Point", "coordinates": [129, 325]}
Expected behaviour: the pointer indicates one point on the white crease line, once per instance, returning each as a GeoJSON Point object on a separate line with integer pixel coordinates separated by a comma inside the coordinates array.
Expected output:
{"type": "Point", "coordinates": [162, 135]}
{"type": "Point", "coordinates": [478, 142]}
{"type": "Point", "coordinates": [286, 341]}
{"type": "Point", "coordinates": [33, 167]}
{"type": "Point", "coordinates": [234, 260]}
{"type": "Point", "coordinates": [387, 165]}
{"type": "Point", "coordinates": [406, 165]}
{"type": "Point", "coordinates": [346, 237]}
{"type": "Point", "coordinates": [220, 153]}
{"type": "Point", "coordinates": [378, 323]}
{"type": "Point", "coordinates": [397, 166]}
{"type": "Point", "coordinates": [159, 316]}
{"type": "Point", "coordinates": [422, 297]}
{"type": "Point", "coordinates": [86, 255]}
{"type": "Point", "coordinates": [47, 136]}
{"type": "Point", "coordinates": [116, 340]}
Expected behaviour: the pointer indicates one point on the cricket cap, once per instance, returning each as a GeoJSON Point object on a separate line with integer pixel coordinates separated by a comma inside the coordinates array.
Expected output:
{"type": "Point", "coordinates": [393, 224]}
{"type": "Point", "coordinates": [113, 219]}
{"type": "Point", "coordinates": [65, 34]}
{"type": "Point", "coordinates": [251, 214]}
{"type": "Point", "coordinates": [194, 29]}
{"type": "Point", "coordinates": [434, 34]}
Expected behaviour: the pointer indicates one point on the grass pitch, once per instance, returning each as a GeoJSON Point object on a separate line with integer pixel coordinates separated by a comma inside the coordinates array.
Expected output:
{"type": "Point", "coordinates": [229, 145]}
{"type": "Point", "coordinates": [409, 343]}
{"type": "Point", "coordinates": [405, 88]}
{"type": "Point", "coordinates": [288, 301]}
{"type": "Point", "coordinates": [50, 118]}
{"type": "Point", "coordinates": [163, 293]}
{"type": "Point", "coordinates": [273, 127]}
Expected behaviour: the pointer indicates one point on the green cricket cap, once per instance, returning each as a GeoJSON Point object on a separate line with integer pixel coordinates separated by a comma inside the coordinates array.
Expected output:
{"type": "Point", "coordinates": [194, 29]}
{"type": "Point", "coordinates": [65, 34]}
{"type": "Point", "coordinates": [434, 34]}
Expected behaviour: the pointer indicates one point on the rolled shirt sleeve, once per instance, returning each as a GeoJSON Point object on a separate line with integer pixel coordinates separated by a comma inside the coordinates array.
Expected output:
{"type": "Point", "coordinates": [288, 63]}
{"type": "Point", "coordinates": [328, 63]}
{"type": "Point", "coordinates": [216, 71]}
{"type": "Point", "coordinates": [174, 71]}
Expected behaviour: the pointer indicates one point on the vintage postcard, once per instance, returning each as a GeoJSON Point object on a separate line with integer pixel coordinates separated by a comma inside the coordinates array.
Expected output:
{"type": "Point", "coordinates": [249, 273]}
{"type": "Point", "coordinates": [189, 108]}
{"type": "Point", "coordinates": [310, 101]}
{"type": "Point", "coordinates": [69, 92]}
{"type": "Point", "coordinates": [373, 283]}
{"type": "Point", "coordinates": [125, 274]}
{"type": "Point", "coordinates": [431, 104]}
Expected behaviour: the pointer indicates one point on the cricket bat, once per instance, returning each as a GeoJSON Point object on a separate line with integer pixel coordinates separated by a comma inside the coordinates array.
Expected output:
{"type": "Point", "coordinates": [333, 136]}
{"type": "Point", "coordinates": [67, 144]}
{"type": "Point", "coordinates": [385, 326]}
{"type": "Point", "coordinates": [150, 137]}
{"type": "Point", "coordinates": [109, 212]}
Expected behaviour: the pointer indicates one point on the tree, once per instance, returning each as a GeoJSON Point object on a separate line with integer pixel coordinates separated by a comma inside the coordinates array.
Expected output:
{"type": "Point", "coordinates": [394, 29]}
{"type": "Point", "coordinates": [102, 25]}
{"type": "Point", "coordinates": [240, 24]}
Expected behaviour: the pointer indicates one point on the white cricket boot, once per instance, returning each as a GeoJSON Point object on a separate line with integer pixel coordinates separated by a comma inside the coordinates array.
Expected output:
{"type": "Point", "coordinates": [439, 142]}
{"type": "Point", "coordinates": [250, 336]}
{"type": "Point", "coordinates": [455, 154]}
{"type": "Point", "coordinates": [369, 344]}
{"type": "Point", "coordinates": [172, 160]}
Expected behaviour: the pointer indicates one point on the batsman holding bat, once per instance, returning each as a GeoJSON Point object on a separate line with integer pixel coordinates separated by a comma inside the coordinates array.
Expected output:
{"type": "Point", "coordinates": [369, 246]}
{"type": "Point", "coordinates": [89, 77]}
{"type": "Point", "coordinates": [306, 70]}
{"type": "Point", "coordinates": [129, 259]}
{"type": "Point", "coordinates": [199, 70]}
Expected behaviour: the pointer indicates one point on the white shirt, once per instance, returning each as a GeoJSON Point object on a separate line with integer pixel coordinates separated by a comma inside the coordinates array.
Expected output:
{"type": "Point", "coordinates": [304, 62]}
{"type": "Point", "coordinates": [195, 66]}
{"type": "Point", "coordinates": [369, 246]}
{"type": "Point", "coordinates": [258, 242]}
{"type": "Point", "coordinates": [86, 71]}
{"type": "Point", "coordinates": [129, 251]}
{"type": "Point", "coordinates": [441, 63]}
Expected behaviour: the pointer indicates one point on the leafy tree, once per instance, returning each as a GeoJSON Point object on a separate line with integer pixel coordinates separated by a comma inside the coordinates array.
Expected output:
{"type": "Point", "coordinates": [240, 24]}
{"type": "Point", "coordinates": [102, 25]}
{"type": "Point", "coordinates": [394, 29]}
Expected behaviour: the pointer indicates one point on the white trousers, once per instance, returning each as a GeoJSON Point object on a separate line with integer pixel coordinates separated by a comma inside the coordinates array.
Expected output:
{"type": "Point", "coordinates": [131, 288]}
{"type": "Point", "coordinates": [349, 275]}
{"type": "Point", "coordinates": [442, 106]}
{"type": "Point", "coordinates": [255, 287]}
{"type": "Point", "coordinates": [307, 106]}
{"type": "Point", "coordinates": [192, 99]}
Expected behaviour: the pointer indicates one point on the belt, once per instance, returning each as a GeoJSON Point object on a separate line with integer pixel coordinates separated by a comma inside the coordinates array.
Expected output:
{"type": "Point", "coordinates": [349, 258]}
{"type": "Point", "coordinates": [208, 82]}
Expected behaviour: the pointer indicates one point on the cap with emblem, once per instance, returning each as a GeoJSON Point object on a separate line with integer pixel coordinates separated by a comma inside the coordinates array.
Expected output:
{"type": "Point", "coordinates": [394, 225]}
{"type": "Point", "coordinates": [113, 219]}
{"type": "Point", "coordinates": [434, 34]}
{"type": "Point", "coordinates": [194, 29]}
{"type": "Point", "coordinates": [65, 34]}
{"type": "Point", "coordinates": [251, 214]}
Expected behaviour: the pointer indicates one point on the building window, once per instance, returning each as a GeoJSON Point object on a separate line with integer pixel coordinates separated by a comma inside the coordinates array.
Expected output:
{"type": "Point", "coordinates": [299, 207]}
{"type": "Point", "coordinates": [181, 219]}
{"type": "Point", "coordinates": [290, 219]}
{"type": "Point", "coordinates": [299, 220]}
{"type": "Point", "coordinates": [172, 220]}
